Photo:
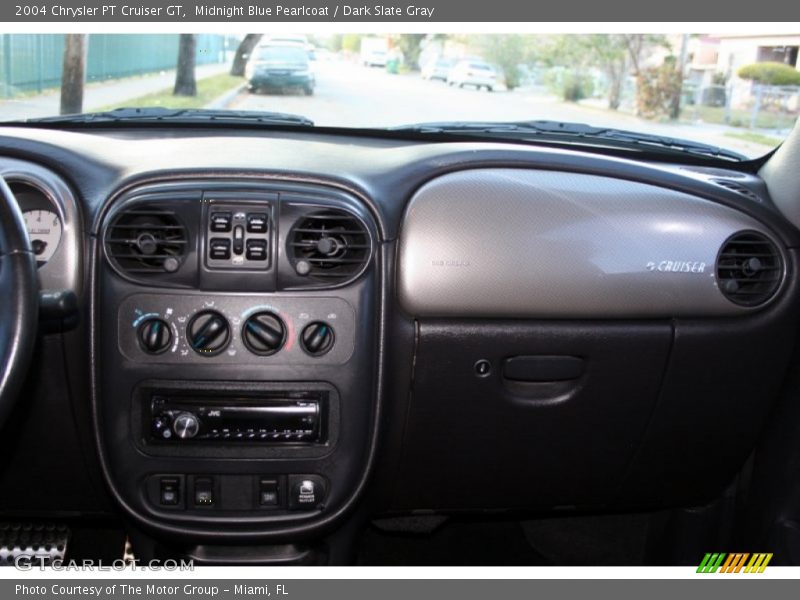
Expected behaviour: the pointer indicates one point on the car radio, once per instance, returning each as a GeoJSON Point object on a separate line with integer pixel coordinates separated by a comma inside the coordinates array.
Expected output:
{"type": "Point", "coordinates": [277, 419]}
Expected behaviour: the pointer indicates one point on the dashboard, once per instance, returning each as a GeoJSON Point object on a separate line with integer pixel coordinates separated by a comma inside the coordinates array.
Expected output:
{"type": "Point", "coordinates": [274, 332]}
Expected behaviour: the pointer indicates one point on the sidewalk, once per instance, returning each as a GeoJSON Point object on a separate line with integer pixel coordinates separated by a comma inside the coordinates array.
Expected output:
{"type": "Point", "coordinates": [598, 114]}
{"type": "Point", "coordinates": [100, 94]}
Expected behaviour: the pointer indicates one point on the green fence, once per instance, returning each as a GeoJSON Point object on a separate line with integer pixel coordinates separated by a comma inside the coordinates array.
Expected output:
{"type": "Point", "coordinates": [32, 62]}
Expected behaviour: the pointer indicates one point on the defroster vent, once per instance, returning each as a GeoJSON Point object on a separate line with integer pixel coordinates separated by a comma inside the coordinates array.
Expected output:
{"type": "Point", "coordinates": [330, 246]}
{"type": "Point", "coordinates": [749, 268]}
{"type": "Point", "coordinates": [738, 188]}
{"type": "Point", "coordinates": [145, 241]}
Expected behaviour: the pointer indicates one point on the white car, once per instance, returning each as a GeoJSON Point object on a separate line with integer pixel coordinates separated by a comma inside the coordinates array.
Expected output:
{"type": "Point", "coordinates": [375, 58]}
{"type": "Point", "coordinates": [438, 68]}
{"type": "Point", "coordinates": [473, 72]}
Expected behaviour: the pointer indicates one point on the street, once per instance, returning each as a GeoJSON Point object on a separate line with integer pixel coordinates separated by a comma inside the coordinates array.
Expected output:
{"type": "Point", "coordinates": [352, 95]}
{"type": "Point", "coordinates": [355, 96]}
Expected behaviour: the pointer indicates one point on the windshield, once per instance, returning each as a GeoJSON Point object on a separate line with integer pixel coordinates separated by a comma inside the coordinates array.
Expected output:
{"type": "Point", "coordinates": [736, 92]}
{"type": "Point", "coordinates": [282, 53]}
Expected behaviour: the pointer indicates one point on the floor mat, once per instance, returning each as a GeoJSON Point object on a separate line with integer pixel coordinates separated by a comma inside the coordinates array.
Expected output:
{"type": "Point", "coordinates": [455, 543]}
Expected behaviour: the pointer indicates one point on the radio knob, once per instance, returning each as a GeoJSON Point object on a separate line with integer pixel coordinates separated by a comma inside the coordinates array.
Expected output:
{"type": "Point", "coordinates": [264, 333]}
{"type": "Point", "coordinates": [154, 335]}
{"type": "Point", "coordinates": [208, 332]}
{"type": "Point", "coordinates": [317, 338]}
{"type": "Point", "coordinates": [186, 426]}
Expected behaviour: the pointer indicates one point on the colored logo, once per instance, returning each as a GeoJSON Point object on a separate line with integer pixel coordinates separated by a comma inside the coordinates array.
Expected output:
{"type": "Point", "coordinates": [722, 562]}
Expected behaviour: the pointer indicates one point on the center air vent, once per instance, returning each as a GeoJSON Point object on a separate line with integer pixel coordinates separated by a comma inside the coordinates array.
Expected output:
{"type": "Point", "coordinates": [330, 245]}
{"type": "Point", "coordinates": [749, 268]}
{"type": "Point", "coordinates": [146, 241]}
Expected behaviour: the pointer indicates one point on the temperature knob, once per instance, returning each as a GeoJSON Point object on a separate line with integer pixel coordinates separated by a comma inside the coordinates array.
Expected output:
{"type": "Point", "coordinates": [154, 335]}
{"type": "Point", "coordinates": [317, 338]}
{"type": "Point", "coordinates": [208, 333]}
{"type": "Point", "coordinates": [264, 333]}
{"type": "Point", "coordinates": [186, 425]}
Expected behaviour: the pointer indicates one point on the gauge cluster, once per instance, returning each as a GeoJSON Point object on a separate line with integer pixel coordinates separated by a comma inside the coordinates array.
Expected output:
{"type": "Point", "coordinates": [44, 229]}
{"type": "Point", "coordinates": [42, 219]}
{"type": "Point", "coordinates": [51, 218]}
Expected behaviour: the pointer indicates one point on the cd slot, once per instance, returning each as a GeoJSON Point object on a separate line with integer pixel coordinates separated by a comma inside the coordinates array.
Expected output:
{"type": "Point", "coordinates": [281, 419]}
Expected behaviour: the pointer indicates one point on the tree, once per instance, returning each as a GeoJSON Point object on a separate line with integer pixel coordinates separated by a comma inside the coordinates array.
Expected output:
{"type": "Point", "coordinates": [610, 52]}
{"type": "Point", "coordinates": [657, 89]}
{"type": "Point", "coordinates": [351, 42]}
{"type": "Point", "coordinates": [335, 41]}
{"type": "Point", "coordinates": [243, 52]}
{"type": "Point", "coordinates": [637, 45]}
{"type": "Point", "coordinates": [410, 44]}
{"type": "Point", "coordinates": [73, 73]}
{"type": "Point", "coordinates": [569, 58]}
{"type": "Point", "coordinates": [507, 52]}
{"type": "Point", "coordinates": [185, 83]}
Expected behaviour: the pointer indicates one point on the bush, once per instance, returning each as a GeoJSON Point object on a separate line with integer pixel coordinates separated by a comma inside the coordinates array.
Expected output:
{"type": "Point", "coordinates": [770, 73]}
{"type": "Point", "coordinates": [505, 52]}
{"type": "Point", "coordinates": [570, 85]}
{"type": "Point", "coordinates": [658, 91]}
{"type": "Point", "coordinates": [511, 76]}
{"type": "Point", "coordinates": [577, 86]}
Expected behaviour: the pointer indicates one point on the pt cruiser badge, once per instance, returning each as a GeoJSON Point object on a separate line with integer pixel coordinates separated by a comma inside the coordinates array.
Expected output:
{"type": "Point", "coordinates": [677, 266]}
{"type": "Point", "coordinates": [450, 263]}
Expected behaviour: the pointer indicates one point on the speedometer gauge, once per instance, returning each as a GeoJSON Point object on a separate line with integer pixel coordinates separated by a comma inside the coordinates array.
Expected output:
{"type": "Point", "coordinates": [44, 231]}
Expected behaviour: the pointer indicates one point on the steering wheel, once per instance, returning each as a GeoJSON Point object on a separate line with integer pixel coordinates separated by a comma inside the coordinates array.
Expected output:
{"type": "Point", "coordinates": [19, 300]}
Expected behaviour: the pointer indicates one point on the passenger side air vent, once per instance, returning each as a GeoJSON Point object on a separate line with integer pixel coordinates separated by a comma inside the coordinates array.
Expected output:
{"type": "Point", "coordinates": [749, 268]}
{"type": "Point", "coordinates": [146, 241]}
{"type": "Point", "coordinates": [738, 188]}
{"type": "Point", "coordinates": [330, 245]}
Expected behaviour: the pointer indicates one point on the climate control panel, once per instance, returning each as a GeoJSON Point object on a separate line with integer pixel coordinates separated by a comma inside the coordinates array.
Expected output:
{"type": "Point", "coordinates": [165, 328]}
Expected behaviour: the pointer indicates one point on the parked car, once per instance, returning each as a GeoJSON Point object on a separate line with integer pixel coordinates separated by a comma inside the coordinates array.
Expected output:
{"type": "Point", "coordinates": [375, 58]}
{"type": "Point", "coordinates": [299, 40]}
{"type": "Point", "coordinates": [374, 52]}
{"type": "Point", "coordinates": [437, 68]}
{"type": "Point", "coordinates": [472, 72]}
{"type": "Point", "coordinates": [280, 66]}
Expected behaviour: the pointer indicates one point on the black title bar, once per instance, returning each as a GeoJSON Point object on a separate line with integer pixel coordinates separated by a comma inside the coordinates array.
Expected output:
{"type": "Point", "coordinates": [472, 11]}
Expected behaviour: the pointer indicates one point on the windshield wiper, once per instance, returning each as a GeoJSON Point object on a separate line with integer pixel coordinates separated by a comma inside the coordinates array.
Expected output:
{"type": "Point", "coordinates": [559, 131]}
{"type": "Point", "coordinates": [176, 115]}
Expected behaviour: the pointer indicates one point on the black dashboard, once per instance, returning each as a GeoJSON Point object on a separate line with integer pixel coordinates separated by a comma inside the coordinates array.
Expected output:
{"type": "Point", "coordinates": [279, 330]}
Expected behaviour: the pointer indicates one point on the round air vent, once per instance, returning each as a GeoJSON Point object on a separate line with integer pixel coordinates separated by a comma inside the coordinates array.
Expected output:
{"type": "Point", "coordinates": [330, 245]}
{"type": "Point", "coordinates": [749, 268]}
{"type": "Point", "coordinates": [146, 241]}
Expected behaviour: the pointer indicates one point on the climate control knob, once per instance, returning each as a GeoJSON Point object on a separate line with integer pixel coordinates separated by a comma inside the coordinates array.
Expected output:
{"type": "Point", "coordinates": [208, 333]}
{"type": "Point", "coordinates": [186, 425]}
{"type": "Point", "coordinates": [154, 335]}
{"type": "Point", "coordinates": [264, 333]}
{"type": "Point", "coordinates": [317, 338]}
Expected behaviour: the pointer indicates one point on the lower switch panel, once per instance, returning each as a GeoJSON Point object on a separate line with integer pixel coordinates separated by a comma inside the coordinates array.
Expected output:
{"type": "Point", "coordinates": [269, 495]}
{"type": "Point", "coordinates": [306, 492]}
{"type": "Point", "coordinates": [237, 493]}
{"type": "Point", "coordinates": [204, 491]}
{"type": "Point", "coordinates": [169, 489]}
